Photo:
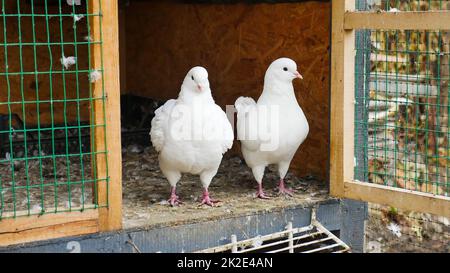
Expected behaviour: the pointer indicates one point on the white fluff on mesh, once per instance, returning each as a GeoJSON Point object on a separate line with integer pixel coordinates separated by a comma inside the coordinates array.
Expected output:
{"type": "Point", "coordinates": [68, 61]}
{"type": "Point", "coordinates": [95, 76]}
{"type": "Point", "coordinates": [72, 2]}
{"type": "Point", "coordinates": [36, 208]}
{"type": "Point", "coordinates": [77, 17]}
{"type": "Point", "coordinates": [395, 229]}
{"type": "Point", "coordinates": [88, 38]}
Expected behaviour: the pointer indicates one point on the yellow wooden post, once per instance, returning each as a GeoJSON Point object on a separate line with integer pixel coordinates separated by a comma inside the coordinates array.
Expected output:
{"type": "Point", "coordinates": [110, 164]}
{"type": "Point", "coordinates": [342, 98]}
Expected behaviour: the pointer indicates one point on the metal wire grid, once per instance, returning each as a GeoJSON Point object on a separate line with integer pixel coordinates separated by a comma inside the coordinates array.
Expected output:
{"type": "Point", "coordinates": [402, 5]}
{"type": "Point", "coordinates": [402, 105]}
{"type": "Point", "coordinates": [314, 238]}
{"type": "Point", "coordinates": [46, 108]}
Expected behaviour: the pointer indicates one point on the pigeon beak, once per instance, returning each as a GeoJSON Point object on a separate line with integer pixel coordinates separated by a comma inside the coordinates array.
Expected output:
{"type": "Point", "coordinates": [298, 75]}
{"type": "Point", "coordinates": [199, 87]}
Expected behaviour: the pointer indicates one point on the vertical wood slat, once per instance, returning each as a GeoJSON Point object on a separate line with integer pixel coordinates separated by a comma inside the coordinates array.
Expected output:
{"type": "Point", "coordinates": [342, 99]}
{"type": "Point", "coordinates": [110, 165]}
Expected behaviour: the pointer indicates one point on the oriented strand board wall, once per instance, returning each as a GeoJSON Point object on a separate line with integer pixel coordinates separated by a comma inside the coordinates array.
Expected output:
{"type": "Point", "coordinates": [236, 43]}
{"type": "Point", "coordinates": [47, 58]}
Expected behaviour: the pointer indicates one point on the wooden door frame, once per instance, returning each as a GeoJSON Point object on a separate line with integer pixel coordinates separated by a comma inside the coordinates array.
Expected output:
{"type": "Point", "coordinates": [345, 20]}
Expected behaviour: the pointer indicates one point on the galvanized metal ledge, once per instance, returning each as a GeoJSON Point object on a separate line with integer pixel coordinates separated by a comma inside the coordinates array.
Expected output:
{"type": "Point", "coordinates": [344, 217]}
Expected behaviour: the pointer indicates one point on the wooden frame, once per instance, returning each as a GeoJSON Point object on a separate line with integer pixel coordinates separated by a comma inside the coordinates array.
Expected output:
{"type": "Point", "coordinates": [420, 20]}
{"type": "Point", "coordinates": [35, 228]}
{"type": "Point", "coordinates": [49, 226]}
{"type": "Point", "coordinates": [344, 22]}
{"type": "Point", "coordinates": [110, 164]}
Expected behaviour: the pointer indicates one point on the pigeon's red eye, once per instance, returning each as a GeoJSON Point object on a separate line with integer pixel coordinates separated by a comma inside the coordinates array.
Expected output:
{"type": "Point", "coordinates": [285, 69]}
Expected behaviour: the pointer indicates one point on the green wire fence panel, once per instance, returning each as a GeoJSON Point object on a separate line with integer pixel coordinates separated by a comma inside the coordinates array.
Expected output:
{"type": "Point", "coordinates": [402, 104]}
{"type": "Point", "coordinates": [47, 164]}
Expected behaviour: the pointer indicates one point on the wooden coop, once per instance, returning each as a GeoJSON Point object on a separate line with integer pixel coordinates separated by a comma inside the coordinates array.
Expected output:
{"type": "Point", "coordinates": [80, 81]}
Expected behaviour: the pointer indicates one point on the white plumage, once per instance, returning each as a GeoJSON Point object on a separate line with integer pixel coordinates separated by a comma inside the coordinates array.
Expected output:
{"type": "Point", "coordinates": [272, 129]}
{"type": "Point", "coordinates": [191, 134]}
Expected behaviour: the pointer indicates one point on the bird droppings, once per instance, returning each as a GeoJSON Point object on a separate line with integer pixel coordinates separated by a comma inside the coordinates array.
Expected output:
{"type": "Point", "coordinates": [146, 190]}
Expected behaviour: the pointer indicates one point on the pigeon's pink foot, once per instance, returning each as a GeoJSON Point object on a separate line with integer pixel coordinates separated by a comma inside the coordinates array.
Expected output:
{"type": "Point", "coordinates": [207, 200]}
{"type": "Point", "coordinates": [174, 200]}
{"type": "Point", "coordinates": [283, 190]}
{"type": "Point", "coordinates": [260, 193]}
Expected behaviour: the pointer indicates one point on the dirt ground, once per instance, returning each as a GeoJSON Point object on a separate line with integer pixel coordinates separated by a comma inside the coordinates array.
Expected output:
{"type": "Point", "coordinates": [416, 232]}
{"type": "Point", "coordinates": [51, 184]}
{"type": "Point", "coordinates": [146, 191]}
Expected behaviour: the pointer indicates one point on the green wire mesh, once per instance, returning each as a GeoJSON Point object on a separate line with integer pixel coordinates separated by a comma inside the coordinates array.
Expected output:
{"type": "Point", "coordinates": [402, 105]}
{"type": "Point", "coordinates": [47, 161]}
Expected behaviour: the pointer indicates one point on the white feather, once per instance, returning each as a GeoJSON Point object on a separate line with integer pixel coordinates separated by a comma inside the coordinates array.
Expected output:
{"type": "Point", "coordinates": [67, 62]}
{"type": "Point", "coordinates": [94, 76]}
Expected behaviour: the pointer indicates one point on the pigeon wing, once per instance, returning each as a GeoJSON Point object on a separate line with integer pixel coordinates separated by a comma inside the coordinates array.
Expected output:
{"type": "Point", "coordinates": [227, 129]}
{"type": "Point", "coordinates": [158, 132]}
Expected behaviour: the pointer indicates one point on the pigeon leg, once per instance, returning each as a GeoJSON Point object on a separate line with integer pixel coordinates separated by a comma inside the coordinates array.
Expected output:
{"type": "Point", "coordinates": [282, 189]}
{"type": "Point", "coordinates": [207, 199]}
{"type": "Point", "coordinates": [260, 193]}
{"type": "Point", "coordinates": [174, 200]}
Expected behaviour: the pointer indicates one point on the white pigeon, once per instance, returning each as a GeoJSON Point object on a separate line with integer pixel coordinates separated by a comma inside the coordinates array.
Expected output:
{"type": "Point", "coordinates": [191, 134]}
{"type": "Point", "coordinates": [272, 129]}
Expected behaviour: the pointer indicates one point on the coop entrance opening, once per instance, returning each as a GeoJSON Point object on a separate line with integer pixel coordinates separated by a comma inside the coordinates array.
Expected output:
{"type": "Point", "coordinates": [235, 42]}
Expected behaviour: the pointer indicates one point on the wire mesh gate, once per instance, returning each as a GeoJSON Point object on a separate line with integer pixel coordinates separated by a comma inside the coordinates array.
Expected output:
{"type": "Point", "coordinates": [390, 126]}
{"type": "Point", "coordinates": [59, 119]}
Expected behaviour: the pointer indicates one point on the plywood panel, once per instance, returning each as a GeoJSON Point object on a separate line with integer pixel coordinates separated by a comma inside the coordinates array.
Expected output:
{"type": "Point", "coordinates": [46, 86]}
{"type": "Point", "coordinates": [236, 43]}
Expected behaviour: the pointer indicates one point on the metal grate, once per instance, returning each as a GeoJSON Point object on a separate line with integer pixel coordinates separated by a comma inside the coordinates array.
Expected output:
{"type": "Point", "coordinates": [310, 239]}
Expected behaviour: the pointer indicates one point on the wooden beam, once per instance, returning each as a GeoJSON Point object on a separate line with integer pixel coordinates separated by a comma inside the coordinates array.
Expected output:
{"type": "Point", "coordinates": [399, 198]}
{"type": "Point", "coordinates": [342, 98]}
{"type": "Point", "coordinates": [417, 20]}
{"type": "Point", "coordinates": [48, 226]}
{"type": "Point", "coordinates": [106, 55]}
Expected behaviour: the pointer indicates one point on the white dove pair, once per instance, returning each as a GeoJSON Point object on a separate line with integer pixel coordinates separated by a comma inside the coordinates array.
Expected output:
{"type": "Point", "coordinates": [192, 133]}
